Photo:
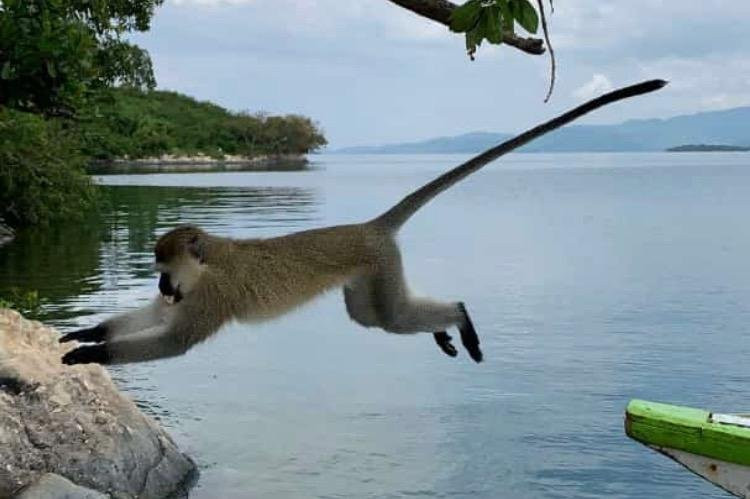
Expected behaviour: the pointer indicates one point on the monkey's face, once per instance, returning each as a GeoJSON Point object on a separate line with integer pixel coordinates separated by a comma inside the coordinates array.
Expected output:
{"type": "Point", "coordinates": [180, 259]}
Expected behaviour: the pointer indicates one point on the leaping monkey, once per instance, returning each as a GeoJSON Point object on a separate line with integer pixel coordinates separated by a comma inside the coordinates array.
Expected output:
{"type": "Point", "coordinates": [208, 280]}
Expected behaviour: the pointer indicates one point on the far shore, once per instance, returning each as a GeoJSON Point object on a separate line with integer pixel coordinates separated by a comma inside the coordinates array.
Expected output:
{"type": "Point", "coordinates": [708, 148]}
{"type": "Point", "coordinates": [201, 162]}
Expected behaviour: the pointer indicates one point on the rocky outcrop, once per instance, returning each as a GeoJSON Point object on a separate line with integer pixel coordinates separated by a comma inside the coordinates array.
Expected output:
{"type": "Point", "coordinates": [52, 486]}
{"type": "Point", "coordinates": [73, 422]}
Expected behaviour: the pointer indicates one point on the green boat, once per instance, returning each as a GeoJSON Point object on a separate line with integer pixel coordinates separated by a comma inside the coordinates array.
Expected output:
{"type": "Point", "coordinates": [711, 445]}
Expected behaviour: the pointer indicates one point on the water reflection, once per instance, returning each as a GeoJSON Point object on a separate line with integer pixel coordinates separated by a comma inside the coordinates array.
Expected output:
{"type": "Point", "coordinates": [110, 254]}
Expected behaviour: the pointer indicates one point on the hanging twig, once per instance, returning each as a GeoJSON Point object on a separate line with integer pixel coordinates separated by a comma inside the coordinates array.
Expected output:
{"type": "Point", "coordinates": [549, 46]}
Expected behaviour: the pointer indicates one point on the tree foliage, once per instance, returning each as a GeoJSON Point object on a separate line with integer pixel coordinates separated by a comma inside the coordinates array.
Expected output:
{"type": "Point", "coordinates": [490, 19]}
{"type": "Point", "coordinates": [495, 20]}
{"type": "Point", "coordinates": [41, 172]}
{"type": "Point", "coordinates": [52, 52]}
{"type": "Point", "coordinates": [129, 123]}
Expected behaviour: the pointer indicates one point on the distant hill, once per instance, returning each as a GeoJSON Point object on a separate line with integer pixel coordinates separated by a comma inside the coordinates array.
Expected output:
{"type": "Point", "coordinates": [468, 142]}
{"type": "Point", "coordinates": [127, 123]}
{"type": "Point", "coordinates": [729, 127]}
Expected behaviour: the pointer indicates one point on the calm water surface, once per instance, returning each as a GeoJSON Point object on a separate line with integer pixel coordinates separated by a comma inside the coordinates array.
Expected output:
{"type": "Point", "coordinates": [592, 279]}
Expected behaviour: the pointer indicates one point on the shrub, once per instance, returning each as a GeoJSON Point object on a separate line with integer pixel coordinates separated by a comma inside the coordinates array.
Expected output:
{"type": "Point", "coordinates": [42, 175]}
{"type": "Point", "coordinates": [28, 302]}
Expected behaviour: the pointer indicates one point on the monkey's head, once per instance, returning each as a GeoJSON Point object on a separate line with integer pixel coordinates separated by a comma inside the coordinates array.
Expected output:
{"type": "Point", "coordinates": [180, 258]}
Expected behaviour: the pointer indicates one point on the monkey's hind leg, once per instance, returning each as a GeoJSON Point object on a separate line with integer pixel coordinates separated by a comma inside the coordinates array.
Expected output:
{"type": "Point", "coordinates": [412, 315]}
{"type": "Point", "coordinates": [398, 312]}
{"type": "Point", "coordinates": [469, 336]}
{"type": "Point", "coordinates": [443, 340]}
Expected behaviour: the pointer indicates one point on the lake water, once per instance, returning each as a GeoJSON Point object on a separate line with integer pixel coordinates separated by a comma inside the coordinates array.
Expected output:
{"type": "Point", "coordinates": [592, 279]}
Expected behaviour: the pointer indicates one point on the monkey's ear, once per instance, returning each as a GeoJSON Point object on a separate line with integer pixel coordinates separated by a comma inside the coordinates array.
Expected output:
{"type": "Point", "coordinates": [197, 248]}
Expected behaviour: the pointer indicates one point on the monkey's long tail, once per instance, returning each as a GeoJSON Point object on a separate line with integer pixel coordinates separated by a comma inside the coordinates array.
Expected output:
{"type": "Point", "coordinates": [394, 218]}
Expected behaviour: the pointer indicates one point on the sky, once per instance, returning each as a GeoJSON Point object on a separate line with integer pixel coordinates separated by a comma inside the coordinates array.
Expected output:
{"type": "Point", "coordinates": [370, 72]}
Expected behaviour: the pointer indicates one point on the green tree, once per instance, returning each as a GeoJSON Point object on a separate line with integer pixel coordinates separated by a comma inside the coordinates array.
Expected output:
{"type": "Point", "coordinates": [56, 57]}
{"type": "Point", "coordinates": [41, 171]}
{"type": "Point", "coordinates": [126, 122]}
{"type": "Point", "coordinates": [52, 52]}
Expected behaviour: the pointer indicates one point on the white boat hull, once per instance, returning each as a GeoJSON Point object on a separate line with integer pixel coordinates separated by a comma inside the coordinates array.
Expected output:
{"type": "Point", "coordinates": [734, 478]}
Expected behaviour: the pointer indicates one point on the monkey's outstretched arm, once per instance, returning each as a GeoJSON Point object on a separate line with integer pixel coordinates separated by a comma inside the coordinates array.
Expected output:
{"type": "Point", "coordinates": [156, 342]}
{"type": "Point", "coordinates": [155, 313]}
{"type": "Point", "coordinates": [148, 344]}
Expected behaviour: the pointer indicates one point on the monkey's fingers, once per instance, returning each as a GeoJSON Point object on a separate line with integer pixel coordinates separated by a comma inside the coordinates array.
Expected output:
{"type": "Point", "coordinates": [87, 354]}
{"type": "Point", "coordinates": [443, 340]}
{"type": "Point", "coordinates": [95, 334]}
{"type": "Point", "coordinates": [469, 336]}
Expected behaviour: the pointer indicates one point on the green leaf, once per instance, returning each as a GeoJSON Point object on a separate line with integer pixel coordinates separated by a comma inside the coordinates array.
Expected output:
{"type": "Point", "coordinates": [493, 29]}
{"type": "Point", "coordinates": [473, 40]}
{"type": "Point", "coordinates": [526, 15]}
{"type": "Point", "coordinates": [465, 17]}
{"type": "Point", "coordinates": [506, 15]}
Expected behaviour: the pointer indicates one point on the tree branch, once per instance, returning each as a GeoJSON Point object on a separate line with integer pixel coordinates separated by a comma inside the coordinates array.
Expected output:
{"type": "Point", "coordinates": [440, 11]}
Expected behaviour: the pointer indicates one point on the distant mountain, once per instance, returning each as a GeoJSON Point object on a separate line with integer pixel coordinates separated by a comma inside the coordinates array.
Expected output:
{"type": "Point", "coordinates": [468, 142]}
{"type": "Point", "coordinates": [730, 127]}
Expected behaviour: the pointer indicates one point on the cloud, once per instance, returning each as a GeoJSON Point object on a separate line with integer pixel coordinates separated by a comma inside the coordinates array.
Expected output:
{"type": "Point", "coordinates": [326, 18]}
{"type": "Point", "coordinates": [598, 84]}
{"type": "Point", "coordinates": [648, 28]}
{"type": "Point", "coordinates": [725, 100]}
{"type": "Point", "coordinates": [371, 71]}
{"type": "Point", "coordinates": [709, 83]}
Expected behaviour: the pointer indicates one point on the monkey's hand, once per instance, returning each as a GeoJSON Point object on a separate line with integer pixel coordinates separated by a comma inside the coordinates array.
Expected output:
{"type": "Point", "coordinates": [95, 334]}
{"type": "Point", "coordinates": [88, 354]}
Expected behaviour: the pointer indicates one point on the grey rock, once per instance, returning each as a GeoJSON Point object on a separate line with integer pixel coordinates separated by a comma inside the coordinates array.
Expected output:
{"type": "Point", "coordinates": [52, 486]}
{"type": "Point", "coordinates": [72, 421]}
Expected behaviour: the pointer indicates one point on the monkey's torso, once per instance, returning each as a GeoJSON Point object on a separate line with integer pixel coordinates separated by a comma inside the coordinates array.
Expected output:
{"type": "Point", "coordinates": [258, 279]}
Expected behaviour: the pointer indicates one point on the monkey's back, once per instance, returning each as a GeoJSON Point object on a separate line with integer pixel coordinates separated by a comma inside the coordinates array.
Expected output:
{"type": "Point", "coordinates": [272, 276]}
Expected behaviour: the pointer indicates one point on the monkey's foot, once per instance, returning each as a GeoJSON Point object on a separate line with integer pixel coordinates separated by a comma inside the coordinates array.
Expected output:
{"type": "Point", "coordinates": [469, 336]}
{"type": "Point", "coordinates": [95, 334]}
{"type": "Point", "coordinates": [443, 340]}
{"type": "Point", "coordinates": [87, 354]}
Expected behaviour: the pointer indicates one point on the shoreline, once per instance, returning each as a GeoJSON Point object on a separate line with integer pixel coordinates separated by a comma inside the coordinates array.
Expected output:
{"type": "Point", "coordinates": [200, 162]}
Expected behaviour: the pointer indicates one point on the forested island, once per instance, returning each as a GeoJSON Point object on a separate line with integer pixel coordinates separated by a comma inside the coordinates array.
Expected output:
{"type": "Point", "coordinates": [707, 148]}
{"type": "Point", "coordinates": [127, 123]}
